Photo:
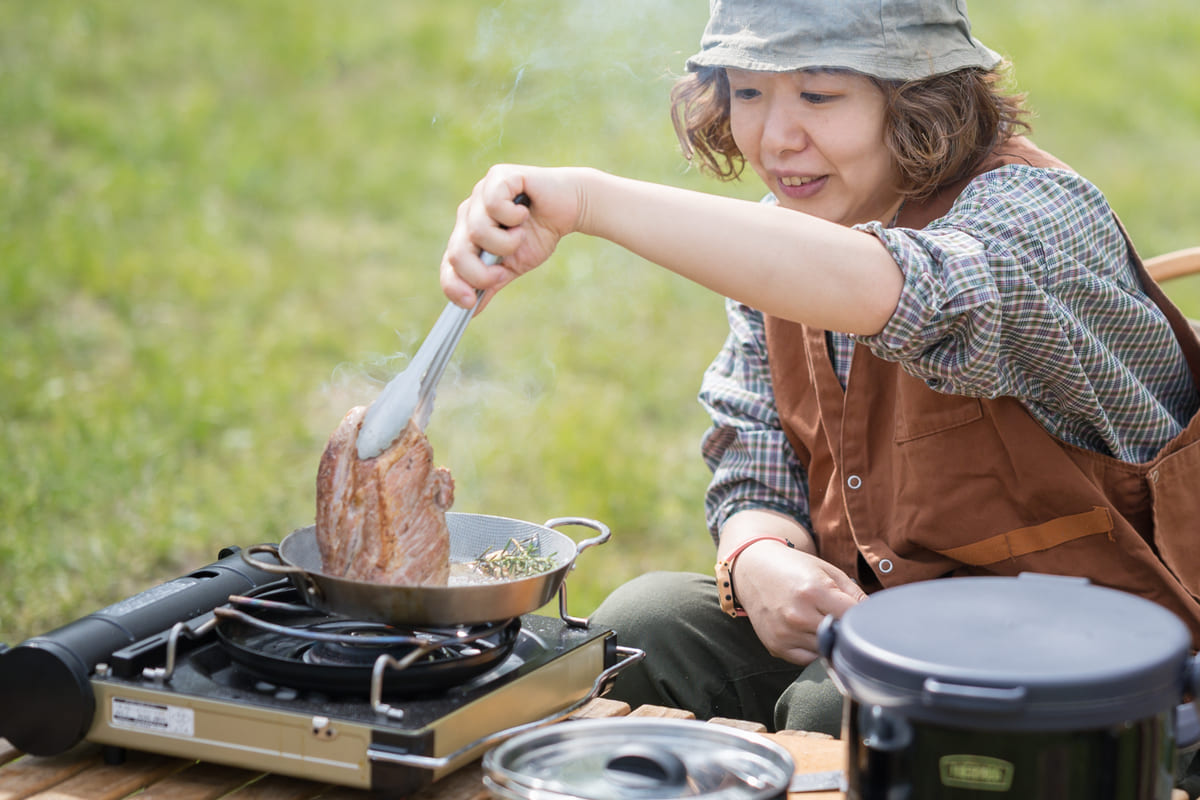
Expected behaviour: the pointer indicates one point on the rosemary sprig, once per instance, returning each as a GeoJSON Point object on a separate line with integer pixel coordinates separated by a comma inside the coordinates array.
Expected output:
{"type": "Point", "coordinates": [514, 560]}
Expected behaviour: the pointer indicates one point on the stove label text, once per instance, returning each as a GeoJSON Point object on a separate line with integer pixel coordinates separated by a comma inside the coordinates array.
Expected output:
{"type": "Point", "coordinates": [155, 717]}
{"type": "Point", "coordinates": [149, 597]}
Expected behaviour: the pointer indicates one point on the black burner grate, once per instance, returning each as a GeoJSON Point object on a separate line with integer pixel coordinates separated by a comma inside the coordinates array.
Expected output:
{"type": "Point", "coordinates": [290, 644]}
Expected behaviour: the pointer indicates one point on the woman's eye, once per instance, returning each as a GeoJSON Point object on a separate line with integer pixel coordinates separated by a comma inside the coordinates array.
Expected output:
{"type": "Point", "coordinates": [816, 98]}
{"type": "Point", "coordinates": [745, 94]}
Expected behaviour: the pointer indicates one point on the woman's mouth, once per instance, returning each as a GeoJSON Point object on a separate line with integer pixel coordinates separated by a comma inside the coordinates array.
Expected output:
{"type": "Point", "coordinates": [800, 187]}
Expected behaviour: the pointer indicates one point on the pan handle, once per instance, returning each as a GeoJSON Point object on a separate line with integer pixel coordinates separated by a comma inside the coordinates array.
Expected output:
{"type": "Point", "coordinates": [267, 566]}
{"type": "Point", "coordinates": [600, 527]}
{"type": "Point", "coordinates": [300, 577]}
{"type": "Point", "coordinates": [605, 534]}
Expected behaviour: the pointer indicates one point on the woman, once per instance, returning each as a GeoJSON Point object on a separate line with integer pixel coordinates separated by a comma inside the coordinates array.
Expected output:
{"type": "Point", "coordinates": [944, 356]}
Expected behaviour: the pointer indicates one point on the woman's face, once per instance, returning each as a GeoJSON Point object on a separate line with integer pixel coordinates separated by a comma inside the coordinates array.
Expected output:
{"type": "Point", "coordinates": [817, 141]}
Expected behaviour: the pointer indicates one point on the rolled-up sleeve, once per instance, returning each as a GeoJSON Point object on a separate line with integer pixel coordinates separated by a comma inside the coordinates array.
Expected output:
{"type": "Point", "coordinates": [1026, 289]}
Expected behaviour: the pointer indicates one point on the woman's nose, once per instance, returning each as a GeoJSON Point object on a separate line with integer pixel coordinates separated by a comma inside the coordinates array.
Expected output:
{"type": "Point", "coordinates": [782, 130]}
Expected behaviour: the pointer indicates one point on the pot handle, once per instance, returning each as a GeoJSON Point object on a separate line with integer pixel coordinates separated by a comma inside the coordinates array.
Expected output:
{"type": "Point", "coordinates": [646, 766]}
{"type": "Point", "coordinates": [267, 566]}
{"type": "Point", "coordinates": [600, 527]}
{"type": "Point", "coordinates": [303, 581]}
{"type": "Point", "coordinates": [605, 534]}
{"type": "Point", "coordinates": [968, 697]}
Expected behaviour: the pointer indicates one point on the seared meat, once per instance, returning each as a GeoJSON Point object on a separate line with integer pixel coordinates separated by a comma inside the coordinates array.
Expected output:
{"type": "Point", "coordinates": [383, 519]}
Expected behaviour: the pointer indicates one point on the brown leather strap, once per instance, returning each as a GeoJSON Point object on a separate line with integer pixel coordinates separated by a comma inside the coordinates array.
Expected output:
{"type": "Point", "coordinates": [724, 569]}
{"type": "Point", "coordinates": [1024, 541]}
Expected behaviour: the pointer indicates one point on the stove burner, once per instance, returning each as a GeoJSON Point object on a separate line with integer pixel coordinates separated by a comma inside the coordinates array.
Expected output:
{"type": "Point", "coordinates": [299, 647]}
{"type": "Point", "coordinates": [367, 640]}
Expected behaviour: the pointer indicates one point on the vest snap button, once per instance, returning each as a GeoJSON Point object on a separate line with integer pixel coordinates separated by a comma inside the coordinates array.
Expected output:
{"type": "Point", "coordinates": [854, 481]}
{"type": "Point", "coordinates": [885, 565]}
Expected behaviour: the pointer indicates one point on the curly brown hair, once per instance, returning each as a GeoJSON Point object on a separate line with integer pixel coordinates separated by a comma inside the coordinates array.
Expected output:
{"type": "Point", "coordinates": [938, 129]}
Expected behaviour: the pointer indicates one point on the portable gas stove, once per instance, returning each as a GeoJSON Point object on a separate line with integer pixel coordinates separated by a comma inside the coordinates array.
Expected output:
{"type": "Point", "coordinates": [227, 665]}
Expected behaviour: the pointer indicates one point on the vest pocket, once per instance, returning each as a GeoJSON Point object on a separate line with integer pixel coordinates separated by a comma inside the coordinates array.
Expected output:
{"type": "Point", "coordinates": [1173, 485]}
{"type": "Point", "coordinates": [923, 412]}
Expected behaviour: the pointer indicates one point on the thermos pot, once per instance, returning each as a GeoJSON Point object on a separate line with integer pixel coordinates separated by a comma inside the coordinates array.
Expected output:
{"type": "Point", "coordinates": [1036, 687]}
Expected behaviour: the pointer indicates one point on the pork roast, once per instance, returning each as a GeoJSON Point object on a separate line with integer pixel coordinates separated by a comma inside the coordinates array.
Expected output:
{"type": "Point", "coordinates": [383, 519]}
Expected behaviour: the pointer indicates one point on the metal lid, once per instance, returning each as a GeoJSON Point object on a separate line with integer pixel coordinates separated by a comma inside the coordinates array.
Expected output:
{"type": "Point", "coordinates": [1034, 653]}
{"type": "Point", "coordinates": [644, 758]}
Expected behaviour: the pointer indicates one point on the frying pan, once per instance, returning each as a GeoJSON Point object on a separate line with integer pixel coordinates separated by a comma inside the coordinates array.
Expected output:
{"type": "Point", "coordinates": [471, 535]}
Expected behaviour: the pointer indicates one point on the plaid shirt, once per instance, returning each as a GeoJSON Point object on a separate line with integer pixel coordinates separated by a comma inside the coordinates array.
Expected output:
{"type": "Point", "coordinates": [1025, 289]}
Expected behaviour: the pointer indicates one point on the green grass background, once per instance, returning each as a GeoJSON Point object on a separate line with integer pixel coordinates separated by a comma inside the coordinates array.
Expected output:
{"type": "Point", "coordinates": [219, 220]}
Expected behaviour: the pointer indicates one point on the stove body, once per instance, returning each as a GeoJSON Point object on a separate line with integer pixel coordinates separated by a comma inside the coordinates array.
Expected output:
{"type": "Point", "coordinates": [179, 690]}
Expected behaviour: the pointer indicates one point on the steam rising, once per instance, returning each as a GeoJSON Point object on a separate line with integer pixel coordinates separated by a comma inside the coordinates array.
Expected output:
{"type": "Point", "coordinates": [630, 35]}
{"type": "Point", "coordinates": [620, 51]}
{"type": "Point", "coordinates": [619, 54]}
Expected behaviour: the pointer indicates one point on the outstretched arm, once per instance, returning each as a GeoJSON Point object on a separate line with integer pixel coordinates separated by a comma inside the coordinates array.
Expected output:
{"type": "Point", "coordinates": [786, 263]}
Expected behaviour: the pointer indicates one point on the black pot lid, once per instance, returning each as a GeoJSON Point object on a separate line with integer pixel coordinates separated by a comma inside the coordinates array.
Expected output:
{"type": "Point", "coordinates": [632, 757]}
{"type": "Point", "coordinates": [1035, 652]}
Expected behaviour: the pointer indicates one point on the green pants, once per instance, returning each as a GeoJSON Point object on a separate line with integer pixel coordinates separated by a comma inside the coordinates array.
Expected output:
{"type": "Point", "coordinates": [700, 659]}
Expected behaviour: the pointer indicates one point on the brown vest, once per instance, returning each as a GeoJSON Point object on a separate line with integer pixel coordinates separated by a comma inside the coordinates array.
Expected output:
{"type": "Point", "coordinates": [907, 484]}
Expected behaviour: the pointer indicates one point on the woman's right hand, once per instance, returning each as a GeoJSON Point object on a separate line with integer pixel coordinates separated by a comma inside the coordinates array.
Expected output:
{"type": "Point", "coordinates": [522, 237]}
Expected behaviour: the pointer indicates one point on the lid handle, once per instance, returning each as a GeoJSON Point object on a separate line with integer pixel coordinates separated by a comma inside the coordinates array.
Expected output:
{"type": "Point", "coordinates": [640, 765]}
{"type": "Point", "coordinates": [973, 698]}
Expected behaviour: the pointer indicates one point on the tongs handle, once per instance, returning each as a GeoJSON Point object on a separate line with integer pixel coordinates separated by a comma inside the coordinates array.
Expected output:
{"type": "Point", "coordinates": [456, 323]}
{"type": "Point", "coordinates": [387, 417]}
{"type": "Point", "coordinates": [410, 394]}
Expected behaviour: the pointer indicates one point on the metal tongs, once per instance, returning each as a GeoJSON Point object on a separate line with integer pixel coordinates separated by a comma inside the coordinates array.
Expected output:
{"type": "Point", "coordinates": [410, 394]}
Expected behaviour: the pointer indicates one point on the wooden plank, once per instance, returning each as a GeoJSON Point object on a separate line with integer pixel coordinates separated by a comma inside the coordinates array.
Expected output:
{"type": "Point", "coordinates": [740, 724]}
{"type": "Point", "coordinates": [602, 708]}
{"type": "Point", "coordinates": [82, 775]}
{"type": "Point", "coordinates": [112, 782]}
{"type": "Point", "coordinates": [200, 781]}
{"type": "Point", "coordinates": [661, 712]}
{"type": "Point", "coordinates": [462, 784]}
{"type": "Point", "coordinates": [813, 752]}
{"type": "Point", "coordinates": [278, 787]}
{"type": "Point", "coordinates": [26, 776]}
{"type": "Point", "coordinates": [7, 752]}
{"type": "Point", "coordinates": [805, 734]}
{"type": "Point", "coordinates": [344, 793]}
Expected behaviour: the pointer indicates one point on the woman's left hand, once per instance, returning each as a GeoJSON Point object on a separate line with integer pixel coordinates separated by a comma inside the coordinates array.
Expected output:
{"type": "Point", "coordinates": [786, 591]}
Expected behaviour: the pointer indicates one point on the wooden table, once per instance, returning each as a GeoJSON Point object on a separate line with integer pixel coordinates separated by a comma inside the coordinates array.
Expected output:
{"type": "Point", "coordinates": [81, 773]}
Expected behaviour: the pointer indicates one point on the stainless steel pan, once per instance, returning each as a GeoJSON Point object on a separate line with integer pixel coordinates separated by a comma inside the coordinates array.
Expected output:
{"type": "Point", "coordinates": [471, 535]}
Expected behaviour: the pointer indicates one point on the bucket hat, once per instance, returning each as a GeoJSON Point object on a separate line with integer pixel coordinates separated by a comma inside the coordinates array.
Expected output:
{"type": "Point", "coordinates": [887, 39]}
